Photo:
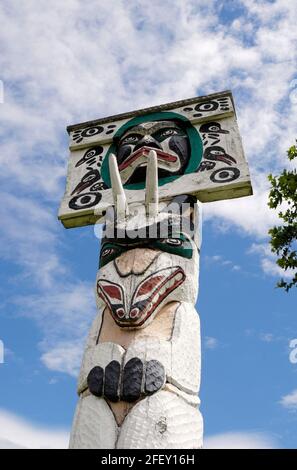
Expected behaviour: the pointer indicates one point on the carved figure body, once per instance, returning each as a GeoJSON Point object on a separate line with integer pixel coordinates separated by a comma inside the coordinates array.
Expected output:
{"type": "Point", "coordinates": [140, 375]}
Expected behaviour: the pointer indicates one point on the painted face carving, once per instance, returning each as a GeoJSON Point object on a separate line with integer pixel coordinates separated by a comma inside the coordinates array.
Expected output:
{"type": "Point", "coordinates": [139, 275]}
{"type": "Point", "coordinates": [167, 138]}
{"type": "Point", "coordinates": [134, 296]}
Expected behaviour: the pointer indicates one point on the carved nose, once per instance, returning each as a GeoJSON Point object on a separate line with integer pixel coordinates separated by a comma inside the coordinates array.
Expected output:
{"type": "Point", "coordinates": [147, 141]}
{"type": "Point", "coordinates": [135, 261]}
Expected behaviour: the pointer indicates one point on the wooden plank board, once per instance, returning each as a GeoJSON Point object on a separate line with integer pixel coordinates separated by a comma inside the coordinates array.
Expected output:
{"type": "Point", "coordinates": [217, 168]}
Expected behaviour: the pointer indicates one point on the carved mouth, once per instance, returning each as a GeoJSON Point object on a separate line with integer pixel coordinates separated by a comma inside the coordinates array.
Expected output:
{"type": "Point", "coordinates": [137, 162]}
{"type": "Point", "coordinates": [144, 151]}
{"type": "Point", "coordinates": [146, 298]}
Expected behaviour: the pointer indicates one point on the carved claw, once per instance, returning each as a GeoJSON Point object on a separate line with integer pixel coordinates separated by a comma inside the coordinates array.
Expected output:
{"type": "Point", "coordinates": [151, 185]}
{"type": "Point", "coordinates": [137, 379]}
{"type": "Point", "coordinates": [118, 192]}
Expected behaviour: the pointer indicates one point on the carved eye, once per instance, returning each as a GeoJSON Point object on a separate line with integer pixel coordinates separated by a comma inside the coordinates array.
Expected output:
{"type": "Point", "coordinates": [216, 152]}
{"type": "Point", "coordinates": [169, 132]}
{"type": "Point", "coordinates": [173, 241]}
{"type": "Point", "coordinates": [90, 153]}
{"type": "Point", "coordinates": [131, 139]}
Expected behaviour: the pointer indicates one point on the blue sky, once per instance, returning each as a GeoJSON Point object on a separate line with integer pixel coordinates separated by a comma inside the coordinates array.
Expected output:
{"type": "Point", "coordinates": [66, 62]}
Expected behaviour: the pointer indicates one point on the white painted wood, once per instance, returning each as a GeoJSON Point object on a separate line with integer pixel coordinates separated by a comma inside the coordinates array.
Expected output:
{"type": "Point", "coordinates": [181, 356]}
{"type": "Point", "coordinates": [94, 426]}
{"type": "Point", "coordinates": [118, 193]}
{"type": "Point", "coordinates": [98, 355]}
{"type": "Point", "coordinates": [151, 186]}
{"type": "Point", "coordinates": [85, 134]}
{"type": "Point", "coordinates": [162, 421]}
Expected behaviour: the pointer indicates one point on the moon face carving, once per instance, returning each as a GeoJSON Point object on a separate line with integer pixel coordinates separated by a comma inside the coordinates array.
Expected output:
{"type": "Point", "coordinates": [167, 138]}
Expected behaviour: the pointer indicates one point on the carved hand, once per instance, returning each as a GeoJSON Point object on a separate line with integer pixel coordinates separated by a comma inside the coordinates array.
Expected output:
{"type": "Point", "coordinates": [135, 380]}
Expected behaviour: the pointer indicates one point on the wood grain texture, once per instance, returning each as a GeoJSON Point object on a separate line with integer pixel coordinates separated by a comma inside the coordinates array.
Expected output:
{"type": "Point", "coordinates": [162, 421]}
{"type": "Point", "coordinates": [146, 393]}
{"type": "Point", "coordinates": [94, 425]}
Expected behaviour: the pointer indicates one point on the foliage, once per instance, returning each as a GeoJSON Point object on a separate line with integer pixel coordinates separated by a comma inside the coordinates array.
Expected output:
{"type": "Point", "coordinates": [283, 239]}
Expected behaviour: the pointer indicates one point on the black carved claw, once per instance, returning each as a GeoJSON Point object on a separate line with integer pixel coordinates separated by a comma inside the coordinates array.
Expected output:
{"type": "Point", "coordinates": [136, 380]}
{"type": "Point", "coordinates": [95, 381]}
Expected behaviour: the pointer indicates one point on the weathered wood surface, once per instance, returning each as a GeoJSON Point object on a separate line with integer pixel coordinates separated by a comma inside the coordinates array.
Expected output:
{"type": "Point", "coordinates": [216, 170]}
{"type": "Point", "coordinates": [167, 419]}
{"type": "Point", "coordinates": [143, 369]}
{"type": "Point", "coordinates": [140, 375]}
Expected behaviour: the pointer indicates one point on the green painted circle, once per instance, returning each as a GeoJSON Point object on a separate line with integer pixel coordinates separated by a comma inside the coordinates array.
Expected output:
{"type": "Point", "coordinates": [196, 147]}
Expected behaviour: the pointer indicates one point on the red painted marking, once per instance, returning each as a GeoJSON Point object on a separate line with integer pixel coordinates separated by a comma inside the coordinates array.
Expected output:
{"type": "Point", "coordinates": [149, 285]}
{"type": "Point", "coordinates": [145, 151]}
{"type": "Point", "coordinates": [112, 291]}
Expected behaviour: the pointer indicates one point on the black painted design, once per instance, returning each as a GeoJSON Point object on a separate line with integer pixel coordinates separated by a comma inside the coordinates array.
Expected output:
{"type": "Point", "coordinates": [205, 165]}
{"type": "Point", "coordinates": [132, 380]}
{"type": "Point", "coordinates": [217, 153]}
{"type": "Point", "coordinates": [187, 110]}
{"type": "Point", "coordinates": [90, 156]}
{"type": "Point", "coordinates": [110, 131]}
{"type": "Point", "coordinates": [98, 186]}
{"type": "Point", "coordinates": [212, 131]}
{"type": "Point", "coordinates": [213, 127]}
{"type": "Point", "coordinates": [111, 382]}
{"type": "Point", "coordinates": [80, 134]}
{"type": "Point", "coordinates": [225, 175]}
{"type": "Point", "coordinates": [207, 106]}
{"type": "Point", "coordinates": [84, 201]}
{"type": "Point", "coordinates": [87, 180]}
{"type": "Point", "coordinates": [224, 103]}
{"type": "Point", "coordinates": [154, 376]}
{"type": "Point", "coordinates": [111, 126]}
{"type": "Point", "coordinates": [95, 381]}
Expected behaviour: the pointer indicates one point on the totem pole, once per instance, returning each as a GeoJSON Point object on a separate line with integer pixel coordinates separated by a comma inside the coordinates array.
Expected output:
{"type": "Point", "coordinates": [141, 175]}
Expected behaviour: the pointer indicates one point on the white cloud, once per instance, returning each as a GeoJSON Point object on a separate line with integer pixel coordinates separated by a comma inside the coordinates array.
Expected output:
{"type": "Point", "coordinates": [17, 433]}
{"type": "Point", "coordinates": [268, 261]}
{"type": "Point", "coordinates": [240, 440]}
{"type": "Point", "coordinates": [100, 63]}
{"type": "Point", "coordinates": [250, 215]}
{"type": "Point", "coordinates": [28, 238]}
{"type": "Point", "coordinates": [65, 357]}
{"type": "Point", "coordinates": [269, 267]}
{"type": "Point", "coordinates": [67, 62]}
{"type": "Point", "coordinates": [210, 342]}
{"type": "Point", "coordinates": [290, 401]}
{"type": "Point", "coordinates": [221, 261]}
{"type": "Point", "coordinates": [267, 337]}
{"type": "Point", "coordinates": [64, 314]}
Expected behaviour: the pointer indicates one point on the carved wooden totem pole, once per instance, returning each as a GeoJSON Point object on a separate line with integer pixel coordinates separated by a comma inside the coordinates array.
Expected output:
{"type": "Point", "coordinates": [141, 175]}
